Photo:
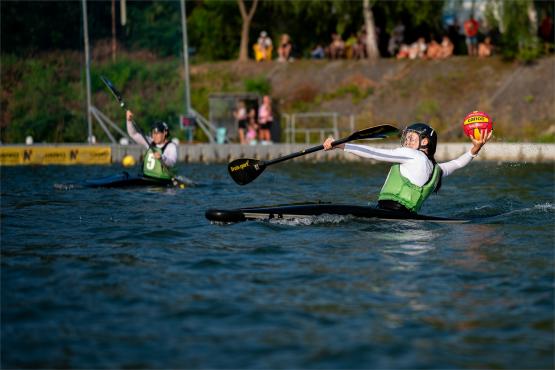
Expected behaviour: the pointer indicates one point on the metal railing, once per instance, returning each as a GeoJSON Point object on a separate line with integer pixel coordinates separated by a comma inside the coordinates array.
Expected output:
{"type": "Point", "coordinates": [205, 125]}
{"type": "Point", "coordinates": [294, 127]}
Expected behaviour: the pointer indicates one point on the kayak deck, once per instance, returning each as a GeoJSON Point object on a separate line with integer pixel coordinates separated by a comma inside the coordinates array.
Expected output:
{"type": "Point", "coordinates": [124, 179]}
{"type": "Point", "coordinates": [315, 209]}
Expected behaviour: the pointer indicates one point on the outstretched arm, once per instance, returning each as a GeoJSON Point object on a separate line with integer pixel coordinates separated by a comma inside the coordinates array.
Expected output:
{"type": "Point", "coordinates": [398, 155]}
{"type": "Point", "coordinates": [137, 137]}
{"type": "Point", "coordinates": [448, 168]}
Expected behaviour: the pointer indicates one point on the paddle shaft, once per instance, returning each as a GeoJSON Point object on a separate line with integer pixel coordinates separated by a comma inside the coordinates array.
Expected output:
{"type": "Point", "coordinates": [306, 151]}
{"type": "Point", "coordinates": [245, 170]}
{"type": "Point", "coordinates": [123, 106]}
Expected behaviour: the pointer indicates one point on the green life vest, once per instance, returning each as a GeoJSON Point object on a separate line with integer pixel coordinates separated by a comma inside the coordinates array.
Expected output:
{"type": "Point", "coordinates": [398, 188]}
{"type": "Point", "coordinates": [153, 167]}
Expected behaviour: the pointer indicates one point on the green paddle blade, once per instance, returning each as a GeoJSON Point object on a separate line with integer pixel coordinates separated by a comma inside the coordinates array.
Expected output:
{"type": "Point", "coordinates": [244, 170]}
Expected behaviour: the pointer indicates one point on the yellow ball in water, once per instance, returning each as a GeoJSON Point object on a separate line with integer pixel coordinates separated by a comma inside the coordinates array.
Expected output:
{"type": "Point", "coordinates": [128, 161]}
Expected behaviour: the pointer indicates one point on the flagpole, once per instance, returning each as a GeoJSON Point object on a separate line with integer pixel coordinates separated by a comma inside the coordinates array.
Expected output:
{"type": "Point", "coordinates": [87, 72]}
{"type": "Point", "coordinates": [185, 57]}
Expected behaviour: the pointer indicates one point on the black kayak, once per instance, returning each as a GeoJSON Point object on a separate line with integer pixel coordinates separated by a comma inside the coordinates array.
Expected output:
{"type": "Point", "coordinates": [124, 179]}
{"type": "Point", "coordinates": [294, 211]}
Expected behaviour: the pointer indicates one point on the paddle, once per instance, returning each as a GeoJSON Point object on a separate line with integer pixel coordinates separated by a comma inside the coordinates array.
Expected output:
{"type": "Point", "coordinates": [245, 170]}
{"type": "Point", "coordinates": [178, 180]}
{"type": "Point", "coordinates": [122, 104]}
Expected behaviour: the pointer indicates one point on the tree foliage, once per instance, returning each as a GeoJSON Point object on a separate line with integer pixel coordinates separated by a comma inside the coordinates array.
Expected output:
{"type": "Point", "coordinates": [214, 26]}
{"type": "Point", "coordinates": [214, 29]}
{"type": "Point", "coordinates": [518, 39]}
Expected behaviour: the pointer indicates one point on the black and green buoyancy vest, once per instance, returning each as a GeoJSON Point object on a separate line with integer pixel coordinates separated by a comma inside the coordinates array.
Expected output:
{"type": "Point", "coordinates": [153, 167]}
{"type": "Point", "coordinates": [398, 188]}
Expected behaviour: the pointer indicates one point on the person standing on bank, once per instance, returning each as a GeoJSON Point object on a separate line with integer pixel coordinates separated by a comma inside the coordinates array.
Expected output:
{"type": "Point", "coordinates": [241, 117]}
{"type": "Point", "coordinates": [160, 158]}
{"type": "Point", "coordinates": [265, 120]}
{"type": "Point", "coordinates": [416, 173]}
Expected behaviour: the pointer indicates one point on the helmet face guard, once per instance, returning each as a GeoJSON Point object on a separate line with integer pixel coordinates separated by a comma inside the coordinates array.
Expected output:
{"type": "Point", "coordinates": [423, 131]}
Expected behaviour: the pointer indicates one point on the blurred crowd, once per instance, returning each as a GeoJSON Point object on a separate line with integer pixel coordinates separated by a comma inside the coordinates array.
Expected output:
{"type": "Point", "coordinates": [470, 38]}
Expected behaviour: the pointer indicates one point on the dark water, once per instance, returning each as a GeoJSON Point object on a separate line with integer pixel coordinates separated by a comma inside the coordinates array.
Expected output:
{"type": "Point", "coordinates": [114, 278]}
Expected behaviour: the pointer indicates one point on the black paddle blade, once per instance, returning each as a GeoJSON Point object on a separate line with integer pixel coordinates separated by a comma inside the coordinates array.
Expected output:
{"type": "Point", "coordinates": [244, 170]}
{"type": "Point", "coordinates": [113, 90]}
{"type": "Point", "coordinates": [376, 132]}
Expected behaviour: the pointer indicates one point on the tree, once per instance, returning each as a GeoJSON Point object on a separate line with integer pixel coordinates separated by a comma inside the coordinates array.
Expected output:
{"type": "Point", "coordinates": [247, 17]}
{"type": "Point", "coordinates": [371, 39]}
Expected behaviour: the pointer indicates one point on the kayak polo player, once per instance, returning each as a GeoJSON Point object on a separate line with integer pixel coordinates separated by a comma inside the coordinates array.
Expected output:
{"type": "Point", "coordinates": [415, 174]}
{"type": "Point", "coordinates": [160, 158]}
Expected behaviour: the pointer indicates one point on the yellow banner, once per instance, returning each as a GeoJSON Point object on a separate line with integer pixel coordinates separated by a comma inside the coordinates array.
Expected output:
{"type": "Point", "coordinates": [22, 155]}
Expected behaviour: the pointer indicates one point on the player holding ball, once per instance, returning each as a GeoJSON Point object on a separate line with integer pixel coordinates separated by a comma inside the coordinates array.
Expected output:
{"type": "Point", "coordinates": [415, 173]}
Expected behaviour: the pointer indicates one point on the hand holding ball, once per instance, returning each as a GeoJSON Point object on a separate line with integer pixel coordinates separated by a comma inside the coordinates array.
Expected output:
{"type": "Point", "coordinates": [475, 122]}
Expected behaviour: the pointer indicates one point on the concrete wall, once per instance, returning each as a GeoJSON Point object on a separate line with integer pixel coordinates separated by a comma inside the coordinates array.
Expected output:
{"type": "Point", "coordinates": [214, 153]}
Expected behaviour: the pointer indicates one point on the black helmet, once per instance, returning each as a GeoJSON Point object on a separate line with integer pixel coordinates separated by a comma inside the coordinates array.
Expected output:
{"type": "Point", "coordinates": [160, 126]}
{"type": "Point", "coordinates": [423, 131]}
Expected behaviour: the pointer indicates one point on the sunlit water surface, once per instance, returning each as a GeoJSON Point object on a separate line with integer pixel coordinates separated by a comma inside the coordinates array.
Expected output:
{"type": "Point", "coordinates": [138, 278]}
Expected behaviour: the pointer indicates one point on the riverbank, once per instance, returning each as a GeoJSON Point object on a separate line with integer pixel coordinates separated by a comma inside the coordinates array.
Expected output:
{"type": "Point", "coordinates": [214, 153]}
{"type": "Point", "coordinates": [518, 97]}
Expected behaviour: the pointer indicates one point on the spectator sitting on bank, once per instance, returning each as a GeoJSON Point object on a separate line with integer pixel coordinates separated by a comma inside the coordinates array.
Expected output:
{"type": "Point", "coordinates": [350, 46]}
{"type": "Point", "coordinates": [240, 115]}
{"type": "Point", "coordinates": [336, 49]}
{"type": "Point", "coordinates": [434, 50]}
{"type": "Point", "coordinates": [471, 27]}
{"type": "Point", "coordinates": [418, 49]}
{"type": "Point", "coordinates": [485, 48]}
{"type": "Point", "coordinates": [263, 47]}
{"type": "Point", "coordinates": [318, 52]}
{"type": "Point", "coordinates": [403, 52]}
{"type": "Point", "coordinates": [446, 47]}
{"type": "Point", "coordinates": [284, 49]}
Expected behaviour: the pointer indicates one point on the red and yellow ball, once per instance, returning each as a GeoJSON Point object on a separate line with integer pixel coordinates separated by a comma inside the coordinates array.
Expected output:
{"type": "Point", "coordinates": [475, 122]}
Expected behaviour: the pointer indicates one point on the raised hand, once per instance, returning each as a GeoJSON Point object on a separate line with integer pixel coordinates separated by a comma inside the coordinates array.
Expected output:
{"type": "Point", "coordinates": [479, 143]}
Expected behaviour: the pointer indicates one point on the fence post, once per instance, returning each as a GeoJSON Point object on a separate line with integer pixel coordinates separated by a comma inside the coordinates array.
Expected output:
{"type": "Point", "coordinates": [294, 116]}
{"type": "Point", "coordinates": [335, 131]}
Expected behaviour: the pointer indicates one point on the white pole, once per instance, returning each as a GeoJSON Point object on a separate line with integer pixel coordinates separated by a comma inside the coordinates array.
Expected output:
{"type": "Point", "coordinates": [88, 72]}
{"type": "Point", "coordinates": [185, 57]}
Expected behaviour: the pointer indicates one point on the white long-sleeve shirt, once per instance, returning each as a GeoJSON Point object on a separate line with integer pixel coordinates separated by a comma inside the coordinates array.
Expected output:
{"type": "Point", "coordinates": [169, 156]}
{"type": "Point", "coordinates": [414, 165]}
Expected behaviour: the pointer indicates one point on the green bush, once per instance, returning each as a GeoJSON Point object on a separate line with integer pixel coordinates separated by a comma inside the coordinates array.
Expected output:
{"type": "Point", "coordinates": [259, 85]}
{"type": "Point", "coordinates": [42, 105]}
